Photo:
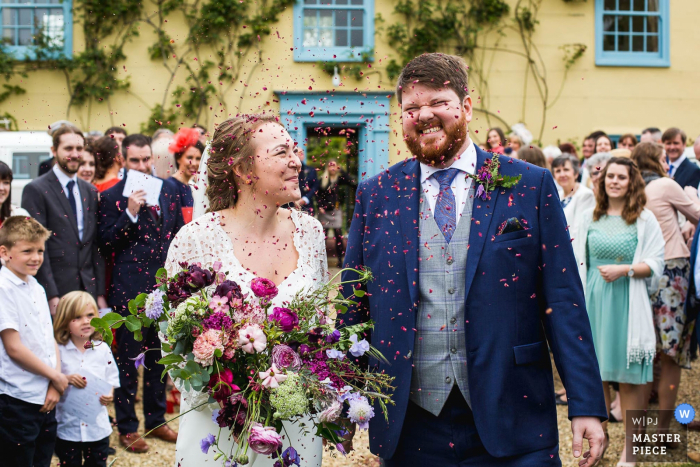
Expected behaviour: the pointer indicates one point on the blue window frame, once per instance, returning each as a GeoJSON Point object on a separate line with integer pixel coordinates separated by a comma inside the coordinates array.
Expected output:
{"type": "Point", "coordinates": [23, 20]}
{"type": "Point", "coordinates": [336, 30]}
{"type": "Point", "coordinates": [632, 33]}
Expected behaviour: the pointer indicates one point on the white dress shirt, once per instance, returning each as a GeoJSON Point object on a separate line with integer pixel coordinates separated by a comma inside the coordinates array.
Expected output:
{"type": "Point", "coordinates": [673, 166]}
{"type": "Point", "coordinates": [100, 362]}
{"type": "Point", "coordinates": [63, 179]}
{"type": "Point", "coordinates": [24, 308]}
{"type": "Point", "coordinates": [466, 162]}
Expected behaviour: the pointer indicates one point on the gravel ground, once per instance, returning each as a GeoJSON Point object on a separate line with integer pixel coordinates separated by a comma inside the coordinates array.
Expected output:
{"type": "Point", "coordinates": [162, 454]}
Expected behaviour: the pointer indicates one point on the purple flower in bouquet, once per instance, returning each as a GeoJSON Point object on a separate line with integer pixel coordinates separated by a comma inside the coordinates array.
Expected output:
{"type": "Point", "coordinates": [233, 414]}
{"type": "Point", "coordinates": [285, 318]}
{"type": "Point", "coordinates": [341, 449]}
{"type": "Point", "coordinates": [217, 320]}
{"type": "Point", "coordinates": [221, 385]}
{"type": "Point", "coordinates": [360, 412]}
{"type": "Point", "coordinates": [197, 278]}
{"type": "Point", "coordinates": [358, 349]}
{"type": "Point", "coordinates": [284, 357]}
{"type": "Point", "coordinates": [207, 442]}
{"type": "Point", "coordinates": [315, 335]}
{"type": "Point", "coordinates": [229, 289]}
{"type": "Point", "coordinates": [178, 291]}
{"type": "Point", "coordinates": [264, 440]}
{"type": "Point", "coordinates": [252, 339]}
{"type": "Point", "coordinates": [334, 353]}
{"type": "Point", "coordinates": [139, 360]}
{"type": "Point", "coordinates": [264, 289]}
{"type": "Point", "coordinates": [154, 304]}
{"type": "Point", "coordinates": [333, 337]}
{"type": "Point", "coordinates": [480, 192]}
{"type": "Point", "coordinates": [290, 457]}
{"type": "Point", "coordinates": [304, 349]}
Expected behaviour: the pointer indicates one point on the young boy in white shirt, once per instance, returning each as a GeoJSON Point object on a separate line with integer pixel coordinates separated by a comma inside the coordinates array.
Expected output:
{"type": "Point", "coordinates": [31, 382]}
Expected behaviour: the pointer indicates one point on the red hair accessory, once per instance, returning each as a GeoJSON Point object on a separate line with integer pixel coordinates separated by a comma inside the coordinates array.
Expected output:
{"type": "Point", "coordinates": [185, 138]}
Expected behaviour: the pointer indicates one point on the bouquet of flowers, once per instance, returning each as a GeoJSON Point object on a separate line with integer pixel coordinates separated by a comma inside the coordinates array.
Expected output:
{"type": "Point", "coordinates": [261, 365]}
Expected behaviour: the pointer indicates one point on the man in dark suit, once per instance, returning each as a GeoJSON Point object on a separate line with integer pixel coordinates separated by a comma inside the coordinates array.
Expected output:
{"type": "Point", "coordinates": [139, 236]}
{"type": "Point", "coordinates": [470, 288]}
{"type": "Point", "coordinates": [67, 206]}
{"type": "Point", "coordinates": [682, 170]}
{"type": "Point", "coordinates": [308, 184]}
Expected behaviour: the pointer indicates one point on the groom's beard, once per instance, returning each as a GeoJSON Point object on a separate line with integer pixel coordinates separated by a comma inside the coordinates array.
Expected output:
{"type": "Point", "coordinates": [435, 154]}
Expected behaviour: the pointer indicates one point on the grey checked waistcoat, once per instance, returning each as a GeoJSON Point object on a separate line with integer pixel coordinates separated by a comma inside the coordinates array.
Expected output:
{"type": "Point", "coordinates": [440, 353]}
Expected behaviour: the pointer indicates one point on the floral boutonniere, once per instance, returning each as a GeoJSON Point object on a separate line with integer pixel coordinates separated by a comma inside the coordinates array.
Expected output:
{"type": "Point", "coordinates": [489, 178]}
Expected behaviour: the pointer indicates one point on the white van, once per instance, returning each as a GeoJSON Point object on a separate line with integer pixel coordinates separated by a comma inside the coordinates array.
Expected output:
{"type": "Point", "coordinates": [23, 151]}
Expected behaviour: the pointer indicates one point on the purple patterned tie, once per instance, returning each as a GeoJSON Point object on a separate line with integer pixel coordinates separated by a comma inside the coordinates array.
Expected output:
{"type": "Point", "coordinates": [445, 209]}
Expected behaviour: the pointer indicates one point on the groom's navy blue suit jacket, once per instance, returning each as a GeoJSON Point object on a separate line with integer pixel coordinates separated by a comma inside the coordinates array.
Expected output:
{"type": "Point", "coordinates": [523, 292]}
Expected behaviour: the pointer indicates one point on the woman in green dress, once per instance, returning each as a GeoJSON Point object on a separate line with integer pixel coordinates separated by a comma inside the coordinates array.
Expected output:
{"type": "Point", "coordinates": [624, 257]}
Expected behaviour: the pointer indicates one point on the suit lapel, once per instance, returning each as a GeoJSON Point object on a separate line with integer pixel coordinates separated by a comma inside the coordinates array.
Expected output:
{"type": "Point", "coordinates": [57, 189]}
{"type": "Point", "coordinates": [164, 209]}
{"type": "Point", "coordinates": [482, 215]}
{"type": "Point", "coordinates": [409, 205]}
{"type": "Point", "coordinates": [88, 220]}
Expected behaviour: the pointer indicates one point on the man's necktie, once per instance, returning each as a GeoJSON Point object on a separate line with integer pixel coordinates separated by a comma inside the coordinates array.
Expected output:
{"type": "Point", "coordinates": [155, 214]}
{"type": "Point", "coordinates": [72, 200]}
{"type": "Point", "coordinates": [445, 209]}
{"type": "Point", "coordinates": [670, 170]}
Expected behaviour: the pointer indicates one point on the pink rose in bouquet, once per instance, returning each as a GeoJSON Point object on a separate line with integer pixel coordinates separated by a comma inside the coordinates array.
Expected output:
{"type": "Point", "coordinates": [284, 357]}
{"type": "Point", "coordinates": [264, 289]}
{"type": "Point", "coordinates": [285, 318]}
{"type": "Point", "coordinates": [205, 345]}
{"type": "Point", "coordinates": [222, 386]}
{"type": "Point", "coordinates": [264, 440]}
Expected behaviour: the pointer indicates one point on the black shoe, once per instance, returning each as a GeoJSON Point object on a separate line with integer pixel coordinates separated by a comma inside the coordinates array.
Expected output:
{"type": "Point", "coordinates": [111, 451]}
{"type": "Point", "coordinates": [558, 399]}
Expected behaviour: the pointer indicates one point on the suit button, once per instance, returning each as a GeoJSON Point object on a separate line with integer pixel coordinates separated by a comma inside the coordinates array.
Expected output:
{"type": "Point", "coordinates": [448, 380]}
{"type": "Point", "coordinates": [450, 261]}
{"type": "Point", "coordinates": [451, 290]}
{"type": "Point", "coordinates": [453, 350]}
{"type": "Point", "coordinates": [453, 320]}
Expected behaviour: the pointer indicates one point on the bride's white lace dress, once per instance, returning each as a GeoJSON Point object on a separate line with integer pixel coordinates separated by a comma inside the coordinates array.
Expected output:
{"type": "Point", "coordinates": [204, 241]}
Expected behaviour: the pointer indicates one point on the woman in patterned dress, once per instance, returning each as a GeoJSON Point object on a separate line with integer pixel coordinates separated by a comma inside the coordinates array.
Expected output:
{"type": "Point", "coordinates": [666, 198]}
{"type": "Point", "coordinates": [623, 248]}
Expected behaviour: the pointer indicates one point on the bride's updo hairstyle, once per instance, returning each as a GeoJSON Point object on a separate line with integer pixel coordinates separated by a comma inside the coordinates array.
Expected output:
{"type": "Point", "coordinates": [232, 147]}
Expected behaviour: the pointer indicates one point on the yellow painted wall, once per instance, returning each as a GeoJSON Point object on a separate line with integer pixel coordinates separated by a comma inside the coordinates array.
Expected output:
{"type": "Point", "coordinates": [617, 100]}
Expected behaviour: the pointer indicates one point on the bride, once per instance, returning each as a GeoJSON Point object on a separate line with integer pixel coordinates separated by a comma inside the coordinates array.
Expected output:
{"type": "Point", "coordinates": [253, 169]}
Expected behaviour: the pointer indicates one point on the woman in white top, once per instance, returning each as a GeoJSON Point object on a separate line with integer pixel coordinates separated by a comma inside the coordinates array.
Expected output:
{"type": "Point", "coordinates": [92, 376]}
{"type": "Point", "coordinates": [7, 209]}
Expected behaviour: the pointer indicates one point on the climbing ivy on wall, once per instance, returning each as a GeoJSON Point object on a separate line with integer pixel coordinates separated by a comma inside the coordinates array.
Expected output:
{"type": "Point", "coordinates": [231, 31]}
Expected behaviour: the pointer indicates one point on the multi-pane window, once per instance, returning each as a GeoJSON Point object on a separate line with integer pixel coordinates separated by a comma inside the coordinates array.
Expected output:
{"type": "Point", "coordinates": [632, 32]}
{"type": "Point", "coordinates": [333, 29]}
{"type": "Point", "coordinates": [27, 22]}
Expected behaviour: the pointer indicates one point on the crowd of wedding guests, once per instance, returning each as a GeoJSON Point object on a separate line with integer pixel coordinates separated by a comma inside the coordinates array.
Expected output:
{"type": "Point", "coordinates": [78, 248]}
{"type": "Point", "coordinates": [632, 212]}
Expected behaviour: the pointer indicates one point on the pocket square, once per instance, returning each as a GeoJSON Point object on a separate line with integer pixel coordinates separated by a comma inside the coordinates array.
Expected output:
{"type": "Point", "coordinates": [511, 225]}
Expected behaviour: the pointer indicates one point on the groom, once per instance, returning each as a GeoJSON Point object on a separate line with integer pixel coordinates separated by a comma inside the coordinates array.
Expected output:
{"type": "Point", "coordinates": [468, 294]}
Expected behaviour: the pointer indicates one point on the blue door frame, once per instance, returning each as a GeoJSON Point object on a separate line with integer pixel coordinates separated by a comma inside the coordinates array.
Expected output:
{"type": "Point", "coordinates": [367, 113]}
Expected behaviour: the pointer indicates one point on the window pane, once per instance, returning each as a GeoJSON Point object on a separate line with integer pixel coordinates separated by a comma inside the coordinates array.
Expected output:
{"type": "Point", "coordinates": [625, 5]}
{"type": "Point", "coordinates": [639, 5]}
{"type": "Point", "coordinates": [637, 43]}
{"type": "Point", "coordinates": [310, 2]}
{"type": "Point", "coordinates": [9, 16]}
{"type": "Point", "coordinates": [623, 23]}
{"type": "Point", "coordinates": [357, 19]}
{"type": "Point", "coordinates": [9, 36]}
{"type": "Point", "coordinates": [341, 18]}
{"type": "Point", "coordinates": [609, 43]}
{"type": "Point", "coordinates": [310, 38]}
{"type": "Point", "coordinates": [610, 5]}
{"type": "Point", "coordinates": [653, 5]}
{"type": "Point", "coordinates": [310, 20]}
{"type": "Point", "coordinates": [326, 38]}
{"type": "Point", "coordinates": [341, 2]}
{"type": "Point", "coordinates": [609, 23]}
{"type": "Point", "coordinates": [356, 38]}
{"type": "Point", "coordinates": [25, 17]}
{"type": "Point", "coordinates": [52, 27]}
{"type": "Point", "coordinates": [623, 43]}
{"type": "Point", "coordinates": [326, 19]}
{"type": "Point", "coordinates": [638, 23]}
{"type": "Point", "coordinates": [652, 24]}
{"type": "Point", "coordinates": [25, 37]}
{"type": "Point", "coordinates": [341, 37]}
{"type": "Point", "coordinates": [653, 43]}
{"type": "Point", "coordinates": [357, 2]}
